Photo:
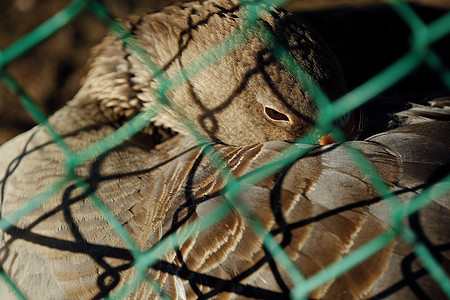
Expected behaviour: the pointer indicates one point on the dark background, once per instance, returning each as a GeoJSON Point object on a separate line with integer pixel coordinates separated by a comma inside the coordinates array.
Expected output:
{"type": "Point", "coordinates": [366, 36]}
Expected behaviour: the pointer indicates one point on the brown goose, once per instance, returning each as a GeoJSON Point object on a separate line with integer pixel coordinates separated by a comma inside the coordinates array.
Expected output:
{"type": "Point", "coordinates": [320, 208]}
{"type": "Point", "coordinates": [257, 89]}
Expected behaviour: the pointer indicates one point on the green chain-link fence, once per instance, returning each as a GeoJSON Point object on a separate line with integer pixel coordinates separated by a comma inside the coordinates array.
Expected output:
{"type": "Point", "coordinates": [422, 37]}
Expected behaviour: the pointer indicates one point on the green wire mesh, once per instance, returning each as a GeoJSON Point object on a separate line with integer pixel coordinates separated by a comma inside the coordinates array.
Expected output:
{"type": "Point", "coordinates": [422, 37]}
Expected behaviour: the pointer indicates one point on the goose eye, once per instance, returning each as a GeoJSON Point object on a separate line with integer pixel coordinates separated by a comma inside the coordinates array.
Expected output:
{"type": "Point", "coordinates": [275, 114]}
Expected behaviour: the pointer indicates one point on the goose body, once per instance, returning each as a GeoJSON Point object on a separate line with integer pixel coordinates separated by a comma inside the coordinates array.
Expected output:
{"type": "Point", "coordinates": [319, 209]}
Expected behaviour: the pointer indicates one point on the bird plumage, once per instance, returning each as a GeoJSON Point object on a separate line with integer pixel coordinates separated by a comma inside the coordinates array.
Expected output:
{"type": "Point", "coordinates": [255, 81]}
{"type": "Point", "coordinates": [319, 208]}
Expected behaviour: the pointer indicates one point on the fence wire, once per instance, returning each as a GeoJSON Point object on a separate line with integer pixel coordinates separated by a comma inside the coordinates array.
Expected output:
{"type": "Point", "coordinates": [423, 35]}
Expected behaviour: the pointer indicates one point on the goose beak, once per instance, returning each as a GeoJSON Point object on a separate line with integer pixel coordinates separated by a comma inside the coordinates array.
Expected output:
{"type": "Point", "coordinates": [349, 126]}
{"type": "Point", "coordinates": [326, 139]}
